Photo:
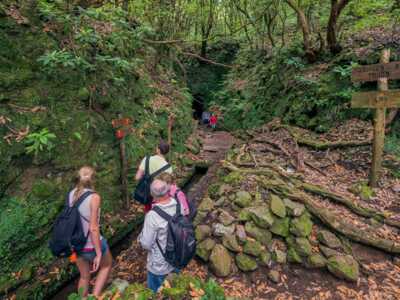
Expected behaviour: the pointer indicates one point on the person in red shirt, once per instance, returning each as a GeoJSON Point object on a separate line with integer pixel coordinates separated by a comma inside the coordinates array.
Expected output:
{"type": "Point", "coordinates": [213, 121]}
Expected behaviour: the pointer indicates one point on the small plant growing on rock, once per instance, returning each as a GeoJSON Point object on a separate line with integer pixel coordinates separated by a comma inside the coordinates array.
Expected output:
{"type": "Point", "coordinates": [37, 142]}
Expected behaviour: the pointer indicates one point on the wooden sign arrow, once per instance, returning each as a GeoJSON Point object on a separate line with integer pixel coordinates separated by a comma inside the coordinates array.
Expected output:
{"type": "Point", "coordinates": [375, 72]}
{"type": "Point", "coordinates": [378, 99]}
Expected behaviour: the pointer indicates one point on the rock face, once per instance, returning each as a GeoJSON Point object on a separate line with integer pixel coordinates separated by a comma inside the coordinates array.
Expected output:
{"type": "Point", "coordinates": [262, 216]}
{"type": "Point", "coordinates": [262, 235]}
{"type": "Point", "coordinates": [243, 199]}
{"type": "Point", "coordinates": [344, 266]}
{"type": "Point", "coordinates": [253, 248]}
{"type": "Point", "coordinates": [245, 262]}
{"type": "Point", "coordinates": [231, 243]}
{"type": "Point", "coordinates": [204, 249]}
{"type": "Point", "coordinates": [220, 230]}
{"type": "Point", "coordinates": [277, 206]}
{"type": "Point", "coordinates": [220, 261]}
{"type": "Point", "coordinates": [281, 227]}
{"type": "Point", "coordinates": [202, 232]}
{"type": "Point", "coordinates": [329, 239]}
{"type": "Point", "coordinates": [301, 226]}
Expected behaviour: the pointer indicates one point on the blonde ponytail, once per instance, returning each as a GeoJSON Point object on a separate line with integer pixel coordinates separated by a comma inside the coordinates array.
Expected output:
{"type": "Point", "coordinates": [86, 176]}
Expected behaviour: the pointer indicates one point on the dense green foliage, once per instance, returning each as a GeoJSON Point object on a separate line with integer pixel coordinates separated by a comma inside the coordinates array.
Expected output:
{"type": "Point", "coordinates": [63, 77]}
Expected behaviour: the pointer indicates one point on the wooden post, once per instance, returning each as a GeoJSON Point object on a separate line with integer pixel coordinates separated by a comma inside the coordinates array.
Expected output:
{"type": "Point", "coordinates": [379, 128]}
{"type": "Point", "coordinates": [124, 171]}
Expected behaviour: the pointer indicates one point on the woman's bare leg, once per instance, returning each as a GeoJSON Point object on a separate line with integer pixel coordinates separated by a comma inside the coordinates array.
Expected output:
{"type": "Point", "coordinates": [102, 275]}
{"type": "Point", "coordinates": [84, 270]}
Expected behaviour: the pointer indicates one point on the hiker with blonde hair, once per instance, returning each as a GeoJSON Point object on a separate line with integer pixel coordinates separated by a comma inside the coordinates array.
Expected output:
{"type": "Point", "coordinates": [95, 255]}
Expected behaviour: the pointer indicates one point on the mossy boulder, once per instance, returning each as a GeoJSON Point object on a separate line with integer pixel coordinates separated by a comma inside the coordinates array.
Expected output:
{"type": "Point", "coordinates": [200, 216]}
{"type": "Point", "coordinates": [301, 226]}
{"type": "Point", "coordinates": [253, 248]}
{"type": "Point", "coordinates": [302, 246]}
{"type": "Point", "coordinates": [316, 260]}
{"type": "Point", "coordinates": [265, 258]}
{"type": "Point", "coordinates": [274, 276]}
{"type": "Point", "coordinates": [262, 216]}
{"type": "Point", "coordinates": [224, 189]}
{"type": "Point", "coordinates": [277, 206]}
{"type": "Point", "coordinates": [328, 252]}
{"type": "Point", "coordinates": [206, 205]}
{"type": "Point", "coordinates": [245, 262]}
{"type": "Point", "coordinates": [202, 232]}
{"type": "Point", "coordinates": [225, 218]}
{"type": "Point", "coordinates": [264, 236]}
{"type": "Point", "coordinates": [244, 215]}
{"type": "Point", "coordinates": [213, 190]}
{"type": "Point", "coordinates": [220, 261]}
{"type": "Point", "coordinates": [279, 256]}
{"type": "Point", "coordinates": [204, 249]}
{"type": "Point", "coordinates": [343, 266]}
{"type": "Point", "coordinates": [281, 227]}
{"type": "Point", "coordinates": [234, 177]}
{"type": "Point", "coordinates": [294, 209]}
{"type": "Point", "coordinates": [293, 256]}
{"type": "Point", "coordinates": [241, 233]}
{"type": "Point", "coordinates": [243, 199]}
{"type": "Point", "coordinates": [329, 239]}
{"type": "Point", "coordinates": [220, 230]}
{"type": "Point", "coordinates": [230, 242]}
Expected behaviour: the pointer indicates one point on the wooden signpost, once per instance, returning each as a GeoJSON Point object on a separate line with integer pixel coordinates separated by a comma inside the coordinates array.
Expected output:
{"type": "Point", "coordinates": [379, 100]}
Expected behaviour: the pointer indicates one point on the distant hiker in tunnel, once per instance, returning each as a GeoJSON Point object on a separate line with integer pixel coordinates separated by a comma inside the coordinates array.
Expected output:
{"type": "Point", "coordinates": [156, 165]}
{"type": "Point", "coordinates": [153, 237]}
{"type": "Point", "coordinates": [96, 255]}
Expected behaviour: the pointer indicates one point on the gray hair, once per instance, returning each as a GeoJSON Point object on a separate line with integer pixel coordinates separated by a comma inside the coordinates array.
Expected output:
{"type": "Point", "coordinates": [159, 188]}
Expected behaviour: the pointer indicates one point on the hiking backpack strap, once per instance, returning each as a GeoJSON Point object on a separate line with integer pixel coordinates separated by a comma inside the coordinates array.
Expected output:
{"type": "Point", "coordinates": [147, 166]}
{"type": "Point", "coordinates": [167, 218]}
{"type": "Point", "coordinates": [80, 201]}
{"type": "Point", "coordinates": [159, 171]}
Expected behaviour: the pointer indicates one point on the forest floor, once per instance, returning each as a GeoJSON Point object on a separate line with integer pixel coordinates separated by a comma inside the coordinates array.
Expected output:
{"type": "Point", "coordinates": [336, 169]}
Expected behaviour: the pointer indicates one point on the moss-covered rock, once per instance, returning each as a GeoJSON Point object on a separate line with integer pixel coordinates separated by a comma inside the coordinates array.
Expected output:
{"type": "Point", "coordinates": [265, 258]}
{"type": "Point", "coordinates": [245, 263]}
{"type": "Point", "coordinates": [274, 276]}
{"type": "Point", "coordinates": [316, 260]}
{"type": "Point", "coordinates": [294, 209]}
{"type": "Point", "coordinates": [241, 233]}
{"type": "Point", "coordinates": [206, 205]}
{"type": "Point", "coordinates": [329, 239]}
{"type": "Point", "coordinates": [293, 256]}
{"type": "Point", "coordinates": [262, 216]}
{"type": "Point", "coordinates": [234, 177]}
{"type": "Point", "coordinates": [264, 236]}
{"type": "Point", "coordinates": [202, 232]}
{"type": "Point", "coordinates": [328, 252]}
{"type": "Point", "coordinates": [344, 266]}
{"type": "Point", "coordinates": [244, 215]}
{"type": "Point", "coordinates": [220, 261]}
{"type": "Point", "coordinates": [302, 246]}
{"type": "Point", "coordinates": [243, 199]}
{"type": "Point", "coordinates": [253, 248]}
{"type": "Point", "coordinates": [277, 206]}
{"type": "Point", "coordinates": [225, 218]}
{"type": "Point", "coordinates": [301, 226]}
{"type": "Point", "coordinates": [230, 242]}
{"type": "Point", "coordinates": [200, 216]}
{"type": "Point", "coordinates": [279, 256]}
{"type": "Point", "coordinates": [220, 230]}
{"type": "Point", "coordinates": [281, 227]}
{"type": "Point", "coordinates": [204, 249]}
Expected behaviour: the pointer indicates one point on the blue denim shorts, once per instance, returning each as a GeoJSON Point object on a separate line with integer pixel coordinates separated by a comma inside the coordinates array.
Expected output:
{"type": "Point", "coordinates": [90, 255]}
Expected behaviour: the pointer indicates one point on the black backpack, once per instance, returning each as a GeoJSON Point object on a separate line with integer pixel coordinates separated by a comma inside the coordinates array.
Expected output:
{"type": "Point", "coordinates": [142, 190]}
{"type": "Point", "coordinates": [68, 235]}
{"type": "Point", "coordinates": [181, 241]}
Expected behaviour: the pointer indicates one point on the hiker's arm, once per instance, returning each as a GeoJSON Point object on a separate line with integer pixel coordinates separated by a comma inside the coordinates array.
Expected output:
{"type": "Point", "coordinates": [149, 233]}
{"type": "Point", "coordinates": [94, 227]}
{"type": "Point", "coordinates": [140, 171]}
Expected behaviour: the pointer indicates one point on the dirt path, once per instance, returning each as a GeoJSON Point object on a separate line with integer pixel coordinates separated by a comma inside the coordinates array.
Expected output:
{"type": "Point", "coordinates": [130, 264]}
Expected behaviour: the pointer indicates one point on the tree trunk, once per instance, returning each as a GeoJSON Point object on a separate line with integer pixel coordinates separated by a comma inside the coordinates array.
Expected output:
{"type": "Point", "coordinates": [305, 27]}
{"type": "Point", "coordinates": [331, 34]}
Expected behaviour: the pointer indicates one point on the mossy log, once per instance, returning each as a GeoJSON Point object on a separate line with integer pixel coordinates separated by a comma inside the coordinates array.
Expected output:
{"type": "Point", "coordinates": [317, 144]}
{"type": "Point", "coordinates": [364, 236]}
